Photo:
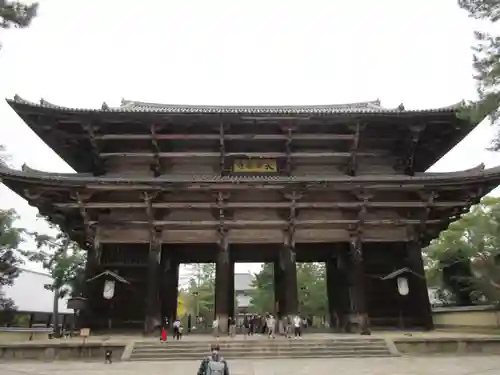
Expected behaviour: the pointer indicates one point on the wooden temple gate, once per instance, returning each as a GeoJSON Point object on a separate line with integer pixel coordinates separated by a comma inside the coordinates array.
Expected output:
{"type": "Point", "coordinates": [159, 185]}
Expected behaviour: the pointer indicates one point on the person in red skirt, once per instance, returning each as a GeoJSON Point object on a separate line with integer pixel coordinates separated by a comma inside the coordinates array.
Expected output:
{"type": "Point", "coordinates": [163, 337]}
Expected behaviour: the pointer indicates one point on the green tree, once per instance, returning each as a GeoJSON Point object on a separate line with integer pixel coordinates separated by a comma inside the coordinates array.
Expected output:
{"type": "Point", "coordinates": [16, 13]}
{"type": "Point", "coordinates": [311, 283]}
{"type": "Point", "coordinates": [486, 62]}
{"type": "Point", "coordinates": [464, 258]}
{"type": "Point", "coordinates": [311, 280]}
{"type": "Point", "coordinates": [10, 257]}
{"type": "Point", "coordinates": [65, 262]}
{"type": "Point", "coordinates": [200, 291]}
{"type": "Point", "coordinates": [262, 293]}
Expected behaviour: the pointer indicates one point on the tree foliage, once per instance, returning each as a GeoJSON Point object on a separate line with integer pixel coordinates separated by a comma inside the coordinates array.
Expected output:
{"type": "Point", "coordinates": [464, 259]}
{"type": "Point", "coordinates": [62, 258]}
{"type": "Point", "coordinates": [16, 13]}
{"type": "Point", "coordinates": [311, 283]}
{"type": "Point", "coordinates": [10, 258]}
{"type": "Point", "coordinates": [65, 262]}
{"type": "Point", "coordinates": [486, 62]}
{"type": "Point", "coordinates": [262, 293]}
{"type": "Point", "coordinates": [200, 291]}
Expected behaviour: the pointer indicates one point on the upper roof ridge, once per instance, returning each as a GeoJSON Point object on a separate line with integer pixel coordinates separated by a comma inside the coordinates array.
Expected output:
{"type": "Point", "coordinates": [132, 104]}
{"type": "Point", "coordinates": [367, 107]}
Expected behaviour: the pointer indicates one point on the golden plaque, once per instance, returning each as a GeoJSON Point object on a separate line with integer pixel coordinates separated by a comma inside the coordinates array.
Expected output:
{"type": "Point", "coordinates": [255, 166]}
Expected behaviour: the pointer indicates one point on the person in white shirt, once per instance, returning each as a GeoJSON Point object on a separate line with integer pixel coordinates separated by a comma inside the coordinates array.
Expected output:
{"type": "Point", "coordinates": [177, 331]}
{"type": "Point", "coordinates": [215, 327]}
{"type": "Point", "coordinates": [297, 321]}
{"type": "Point", "coordinates": [271, 324]}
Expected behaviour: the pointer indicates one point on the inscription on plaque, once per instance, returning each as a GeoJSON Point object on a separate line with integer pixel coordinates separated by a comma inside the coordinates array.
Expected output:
{"type": "Point", "coordinates": [255, 166]}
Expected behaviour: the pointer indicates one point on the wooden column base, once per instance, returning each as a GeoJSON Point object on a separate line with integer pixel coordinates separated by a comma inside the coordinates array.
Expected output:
{"type": "Point", "coordinates": [279, 300]}
{"type": "Point", "coordinates": [418, 286]}
{"type": "Point", "coordinates": [364, 324]}
{"type": "Point", "coordinates": [290, 291]}
{"type": "Point", "coordinates": [222, 290]}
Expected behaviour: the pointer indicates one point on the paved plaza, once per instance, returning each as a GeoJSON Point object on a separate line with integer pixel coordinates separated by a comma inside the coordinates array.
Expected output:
{"type": "Point", "coordinates": [452, 365]}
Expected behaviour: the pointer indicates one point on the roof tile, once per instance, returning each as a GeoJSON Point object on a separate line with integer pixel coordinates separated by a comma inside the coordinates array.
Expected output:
{"type": "Point", "coordinates": [130, 106]}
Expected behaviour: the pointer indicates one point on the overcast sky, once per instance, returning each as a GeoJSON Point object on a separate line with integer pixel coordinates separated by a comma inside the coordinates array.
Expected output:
{"type": "Point", "coordinates": [81, 53]}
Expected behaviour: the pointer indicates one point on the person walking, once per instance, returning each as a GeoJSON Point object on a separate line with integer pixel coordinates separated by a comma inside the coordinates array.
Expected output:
{"type": "Point", "coordinates": [246, 326]}
{"type": "Point", "coordinates": [297, 321]}
{"type": "Point", "coordinates": [232, 326]}
{"type": "Point", "coordinates": [177, 329]}
{"type": "Point", "coordinates": [271, 325]}
{"type": "Point", "coordinates": [251, 325]}
{"type": "Point", "coordinates": [214, 364]}
{"type": "Point", "coordinates": [215, 327]}
{"type": "Point", "coordinates": [163, 337]}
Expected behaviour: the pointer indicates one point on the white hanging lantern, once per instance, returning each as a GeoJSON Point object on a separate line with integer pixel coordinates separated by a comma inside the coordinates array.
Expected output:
{"type": "Point", "coordinates": [403, 287]}
{"type": "Point", "coordinates": [109, 289]}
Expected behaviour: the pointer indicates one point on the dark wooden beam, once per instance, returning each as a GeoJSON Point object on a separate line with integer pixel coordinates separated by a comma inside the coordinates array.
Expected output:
{"type": "Point", "coordinates": [411, 149]}
{"type": "Point", "coordinates": [288, 146]}
{"type": "Point", "coordinates": [292, 197]}
{"type": "Point", "coordinates": [233, 205]}
{"type": "Point", "coordinates": [358, 269]}
{"type": "Point", "coordinates": [429, 204]}
{"type": "Point", "coordinates": [352, 167]}
{"type": "Point", "coordinates": [222, 150]}
{"type": "Point", "coordinates": [156, 166]}
{"type": "Point", "coordinates": [276, 155]}
{"type": "Point", "coordinates": [148, 198]}
{"type": "Point", "coordinates": [87, 223]}
{"type": "Point", "coordinates": [358, 281]}
{"type": "Point", "coordinates": [229, 137]}
{"type": "Point", "coordinates": [214, 224]}
{"type": "Point", "coordinates": [95, 150]}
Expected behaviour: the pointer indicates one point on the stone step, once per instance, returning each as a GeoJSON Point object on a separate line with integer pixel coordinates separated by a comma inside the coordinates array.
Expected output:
{"type": "Point", "coordinates": [262, 340]}
{"type": "Point", "coordinates": [270, 343]}
{"type": "Point", "coordinates": [309, 352]}
{"type": "Point", "coordinates": [346, 354]}
{"type": "Point", "coordinates": [268, 348]}
{"type": "Point", "coordinates": [178, 350]}
{"type": "Point", "coordinates": [166, 348]}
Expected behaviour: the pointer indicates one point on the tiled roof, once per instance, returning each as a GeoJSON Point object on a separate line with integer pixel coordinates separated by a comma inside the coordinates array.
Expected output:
{"type": "Point", "coordinates": [130, 106]}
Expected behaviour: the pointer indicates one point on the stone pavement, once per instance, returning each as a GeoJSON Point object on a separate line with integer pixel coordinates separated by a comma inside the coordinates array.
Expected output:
{"type": "Point", "coordinates": [452, 365]}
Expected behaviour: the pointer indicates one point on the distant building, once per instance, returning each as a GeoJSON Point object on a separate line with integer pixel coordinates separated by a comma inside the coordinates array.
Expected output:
{"type": "Point", "coordinates": [242, 288]}
{"type": "Point", "coordinates": [34, 303]}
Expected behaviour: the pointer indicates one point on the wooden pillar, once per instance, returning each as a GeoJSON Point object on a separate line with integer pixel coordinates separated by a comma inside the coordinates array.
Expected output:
{"type": "Point", "coordinates": [337, 288]}
{"type": "Point", "coordinates": [169, 288]}
{"type": "Point", "coordinates": [173, 292]}
{"type": "Point", "coordinates": [289, 267]}
{"type": "Point", "coordinates": [86, 317]}
{"type": "Point", "coordinates": [343, 291]}
{"type": "Point", "coordinates": [418, 291]}
{"type": "Point", "coordinates": [358, 284]}
{"type": "Point", "coordinates": [222, 285]}
{"type": "Point", "coordinates": [279, 298]}
{"type": "Point", "coordinates": [332, 289]}
{"type": "Point", "coordinates": [153, 307]}
{"type": "Point", "coordinates": [231, 298]}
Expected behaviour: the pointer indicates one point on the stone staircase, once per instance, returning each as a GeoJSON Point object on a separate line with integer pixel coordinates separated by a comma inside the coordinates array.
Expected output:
{"type": "Point", "coordinates": [262, 349]}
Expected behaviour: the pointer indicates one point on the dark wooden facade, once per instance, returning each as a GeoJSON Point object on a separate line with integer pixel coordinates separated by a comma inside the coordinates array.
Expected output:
{"type": "Point", "coordinates": [160, 185]}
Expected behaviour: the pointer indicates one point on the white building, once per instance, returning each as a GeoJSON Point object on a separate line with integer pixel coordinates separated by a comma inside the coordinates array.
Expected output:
{"type": "Point", "coordinates": [30, 296]}
{"type": "Point", "coordinates": [242, 288]}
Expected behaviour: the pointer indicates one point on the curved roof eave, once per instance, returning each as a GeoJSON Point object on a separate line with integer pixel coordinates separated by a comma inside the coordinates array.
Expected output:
{"type": "Point", "coordinates": [128, 106]}
{"type": "Point", "coordinates": [472, 176]}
